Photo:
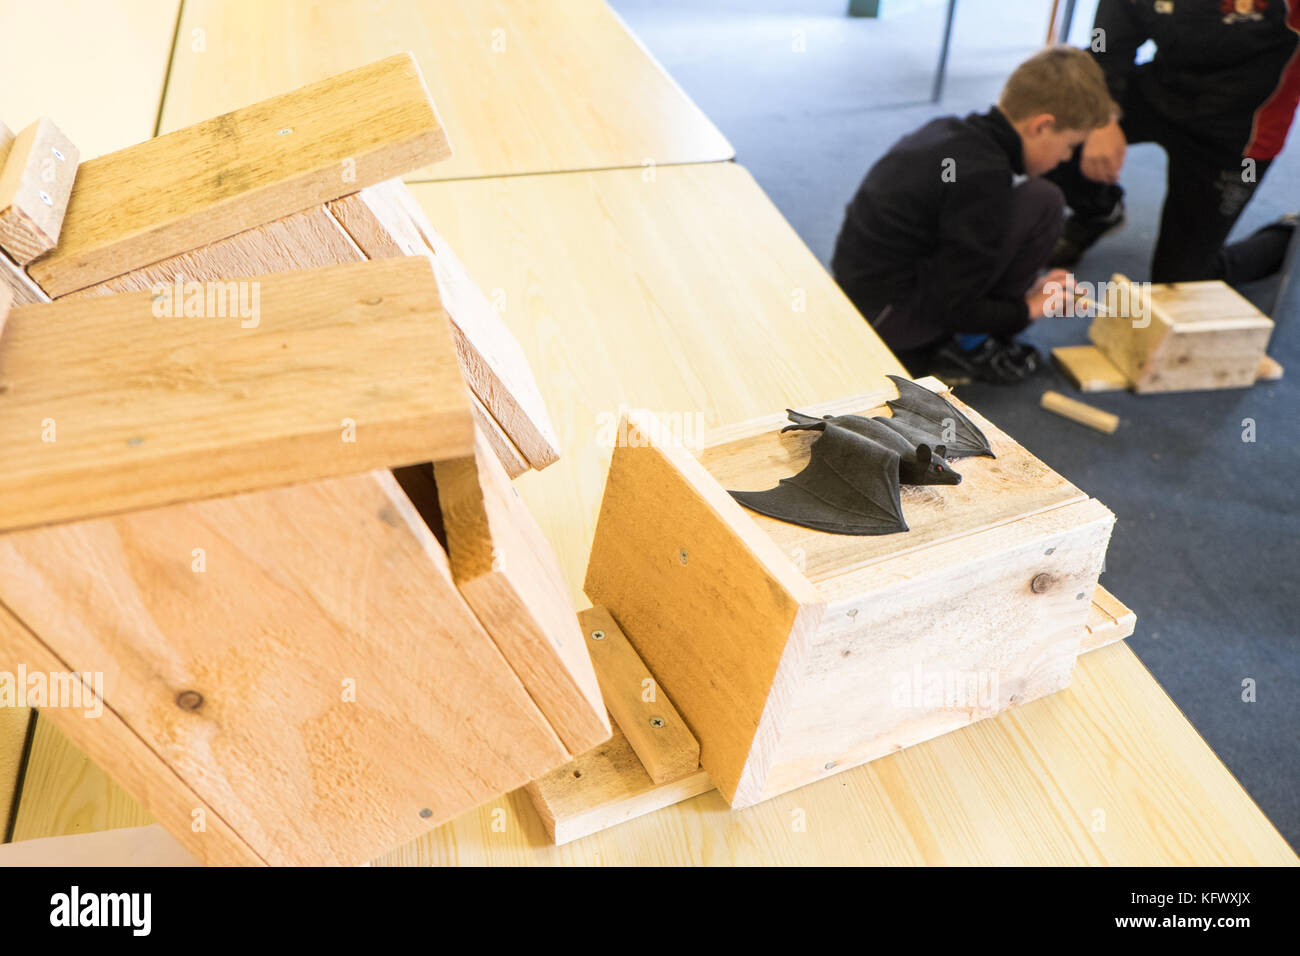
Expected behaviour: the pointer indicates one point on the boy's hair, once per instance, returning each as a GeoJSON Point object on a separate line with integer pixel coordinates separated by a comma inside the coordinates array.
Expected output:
{"type": "Point", "coordinates": [1063, 81]}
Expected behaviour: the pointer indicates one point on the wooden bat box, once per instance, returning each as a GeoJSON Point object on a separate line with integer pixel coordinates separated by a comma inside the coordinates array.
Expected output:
{"type": "Point", "coordinates": [279, 579]}
{"type": "Point", "coordinates": [794, 654]}
{"type": "Point", "coordinates": [1183, 337]}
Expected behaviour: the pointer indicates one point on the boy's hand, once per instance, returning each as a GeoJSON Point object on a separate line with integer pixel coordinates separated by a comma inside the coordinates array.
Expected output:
{"type": "Point", "coordinates": [1103, 153]}
{"type": "Point", "coordinates": [1049, 291]}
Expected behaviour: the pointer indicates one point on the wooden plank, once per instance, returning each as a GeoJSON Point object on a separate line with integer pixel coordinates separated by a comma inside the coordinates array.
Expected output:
{"type": "Point", "coordinates": [992, 492]}
{"type": "Point", "coordinates": [663, 743]}
{"type": "Point", "coordinates": [6, 300]}
{"type": "Point", "coordinates": [1088, 368]}
{"type": "Point", "coordinates": [14, 279]}
{"type": "Point", "coordinates": [571, 85]}
{"type": "Point", "coordinates": [35, 183]}
{"type": "Point", "coordinates": [386, 221]}
{"type": "Point", "coordinates": [1269, 370]}
{"type": "Point", "coordinates": [243, 169]}
{"type": "Point", "coordinates": [310, 239]}
{"type": "Point", "coordinates": [752, 612]}
{"type": "Point", "coordinates": [1195, 357]}
{"type": "Point", "coordinates": [109, 408]}
{"type": "Point", "coordinates": [933, 640]}
{"type": "Point", "coordinates": [507, 452]}
{"type": "Point", "coordinates": [98, 68]}
{"type": "Point", "coordinates": [1080, 412]}
{"type": "Point", "coordinates": [508, 575]}
{"type": "Point", "coordinates": [1108, 621]}
{"type": "Point", "coordinates": [603, 788]}
{"type": "Point", "coordinates": [14, 725]}
{"type": "Point", "coordinates": [364, 707]}
{"type": "Point", "coordinates": [110, 740]}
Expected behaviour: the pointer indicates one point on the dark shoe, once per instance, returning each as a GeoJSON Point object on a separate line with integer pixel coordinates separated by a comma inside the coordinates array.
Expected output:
{"type": "Point", "coordinates": [999, 363]}
{"type": "Point", "coordinates": [1080, 234]}
{"type": "Point", "coordinates": [1260, 254]}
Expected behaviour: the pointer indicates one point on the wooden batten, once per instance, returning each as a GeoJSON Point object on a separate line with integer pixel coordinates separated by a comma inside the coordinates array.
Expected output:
{"type": "Point", "coordinates": [110, 407]}
{"type": "Point", "coordinates": [508, 574]}
{"type": "Point", "coordinates": [36, 180]}
{"type": "Point", "coordinates": [241, 170]}
{"type": "Point", "coordinates": [385, 220]}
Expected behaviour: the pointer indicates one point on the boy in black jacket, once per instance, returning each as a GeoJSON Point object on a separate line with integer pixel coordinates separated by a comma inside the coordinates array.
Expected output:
{"type": "Point", "coordinates": [941, 249]}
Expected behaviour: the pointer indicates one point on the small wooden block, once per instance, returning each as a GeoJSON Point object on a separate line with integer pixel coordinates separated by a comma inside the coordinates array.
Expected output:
{"type": "Point", "coordinates": [1088, 369]}
{"type": "Point", "coordinates": [1269, 370]}
{"type": "Point", "coordinates": [665, 745]}
{"type": "Point", "coordinates": [1080, 412]}
{"type": "Point", "coordinates": [231, 173]}
{"type": "Point", "coordinates": [1108, 621]}
{"type": "Point", "coordinates": [35, 184]}
{"type": "Point", "coordinates": [605, 787]}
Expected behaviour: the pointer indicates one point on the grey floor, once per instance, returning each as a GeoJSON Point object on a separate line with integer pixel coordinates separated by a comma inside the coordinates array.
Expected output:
{"type": "Point", "coordinates": [1206, 545]}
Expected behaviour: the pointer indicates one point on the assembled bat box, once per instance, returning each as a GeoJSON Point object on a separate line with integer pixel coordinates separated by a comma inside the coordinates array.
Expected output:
{"type": "Point", "coordinates": [794, 654]}
{"type": "Point", "coordinates": [309, 617]}
{"type": "Point", "coordinates": [1181, 337]}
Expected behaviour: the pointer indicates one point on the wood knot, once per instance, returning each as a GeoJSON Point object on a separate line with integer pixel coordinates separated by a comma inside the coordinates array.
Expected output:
{"type": "Point", "coordinates": [189, 700]}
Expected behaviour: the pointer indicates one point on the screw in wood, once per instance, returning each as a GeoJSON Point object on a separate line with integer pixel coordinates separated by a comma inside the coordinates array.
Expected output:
{"type": "Point", "coordinates": [189, 700]}
{"type": "Point", "coordinates": [426, 813]}
{"type": "Point", "coordinates": [830, 765]}
{"type": "Point", "coordinates": [58, 153]}
{"type": "Point", "coordinates": [683, 555]}
{"type": "Point", "coordinates": [45, 198]}
{"type": "Point", "coordinates": [284, 132]}
{"type": "Point", "coordinates": [657, 722]}
{"type": "Point", "coordinates": [1041, 582]}
{"type": "Point", "coordinates": [597, 635]}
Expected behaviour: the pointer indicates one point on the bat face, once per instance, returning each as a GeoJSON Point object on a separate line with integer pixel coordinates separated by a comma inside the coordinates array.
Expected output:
{"type": "Point", "coordinates": [929, 468]}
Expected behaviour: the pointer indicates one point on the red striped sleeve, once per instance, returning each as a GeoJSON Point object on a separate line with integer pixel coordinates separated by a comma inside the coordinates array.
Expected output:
{"type": "Point", "coordinates": [1273, 118]}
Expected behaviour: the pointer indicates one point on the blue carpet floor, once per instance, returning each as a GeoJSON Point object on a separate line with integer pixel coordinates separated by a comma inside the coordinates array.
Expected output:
{"type": "Point", "coordinates": [1207, 543]}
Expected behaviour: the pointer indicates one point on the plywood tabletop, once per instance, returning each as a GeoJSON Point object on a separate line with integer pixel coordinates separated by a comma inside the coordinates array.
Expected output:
{"type": "Point", "coordinates": [96, 69]}
{"type": "Point", "coordinates": [521, 86]}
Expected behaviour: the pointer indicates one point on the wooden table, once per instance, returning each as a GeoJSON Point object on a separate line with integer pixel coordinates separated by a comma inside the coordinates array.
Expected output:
{"type": "Point", "coordinates": [522, 86]}
{"type": "Point", "coordinates": [97, 69]}
{"type": "Point", "coordinates": [680, 292]}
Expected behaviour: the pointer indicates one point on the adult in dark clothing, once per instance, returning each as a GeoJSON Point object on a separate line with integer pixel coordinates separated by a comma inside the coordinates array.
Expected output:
{"type": "Point", "coordinates": [1219, 96]}
{"type": "Point", "coordinates": [941, 249]}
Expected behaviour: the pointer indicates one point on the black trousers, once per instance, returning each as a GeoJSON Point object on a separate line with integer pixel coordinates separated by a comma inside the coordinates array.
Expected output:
{"type": "Point", "coordinates": [1207, 187]}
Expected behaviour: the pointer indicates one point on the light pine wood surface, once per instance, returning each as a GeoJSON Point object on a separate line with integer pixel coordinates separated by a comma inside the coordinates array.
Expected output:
{"type": "Point", "coordinates": [523, 86]}
{"type": "Point", "coordinates": [676, 293]}
{"type": "Point", "coordinates": [96, 69]}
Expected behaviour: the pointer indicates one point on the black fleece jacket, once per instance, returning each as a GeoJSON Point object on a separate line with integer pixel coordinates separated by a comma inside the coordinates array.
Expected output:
{"type": "Point", "coordinates": [919, 250]}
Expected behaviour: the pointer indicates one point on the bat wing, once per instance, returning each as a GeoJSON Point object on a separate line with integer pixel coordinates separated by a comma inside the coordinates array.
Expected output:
{"type": "Point", "coordinates": [850, 486]}
{"type": "Point", "coordinates": [933, 418]}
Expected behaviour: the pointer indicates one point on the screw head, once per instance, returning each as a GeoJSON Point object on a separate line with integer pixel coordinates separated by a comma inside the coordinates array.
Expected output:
{"type": "Point", "coordinates": [189, 700]}
{"type": "Point", "coordinates": [58, 153]}
{"type": "Point", "coordinates": [426, 813]}
{"type": "Point", "coordinates": [284, 132]}
{"type": "Point", "coordinates": [830, 765]}
{"type": "Point", "coordinates": [597, 635]}
{"type": "Point", "coordinates": [1041, 582]}
{"type": "Point", "coordinates": [683, 555]}
{"type": "Point", "coordinates": [657, 722]}
{"type": "Point", "coordinates": [45, 198]}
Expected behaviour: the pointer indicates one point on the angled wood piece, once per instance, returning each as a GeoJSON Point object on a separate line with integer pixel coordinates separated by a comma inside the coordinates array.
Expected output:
{"type": "Point", "coordinates": [507, 572]}
{"type": "Point", "coordinates": [35, 183]}
{"type": "Point", "coordinates": [1108, 621]}
{"type": "Point", "coordinates": [1270, 370]}
{"type": "Point", "coordinates": [231, 173]}
{"type": "Point", "coordinates": [642, 710]}
{"type": "Point", "coordinates": [385, 220]}
{"type": "Point", "coordinates": [18, 283]}
{"type": "Point", "coordinates": [107, 407]}
{"type": "Point", "coordinates": [670, 538]}
{"type": "Point", "coordinates": [316, 685]}
{"type": "Point", "coordinates": [1088, 369]}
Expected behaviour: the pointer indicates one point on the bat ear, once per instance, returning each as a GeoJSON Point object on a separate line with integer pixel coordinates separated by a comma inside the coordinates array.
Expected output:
{"type": "Point", "coordinates": [941, 451]}
{"type": "Point", "coordinates": [923, 454]}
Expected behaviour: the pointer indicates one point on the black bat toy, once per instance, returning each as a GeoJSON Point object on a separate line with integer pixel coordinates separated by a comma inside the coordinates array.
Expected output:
{"type": "Point", "coordinates": [851, 484]}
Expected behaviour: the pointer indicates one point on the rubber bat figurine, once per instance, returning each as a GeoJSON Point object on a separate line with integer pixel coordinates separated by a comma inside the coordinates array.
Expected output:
{"type": "Point", "coordinates": [851, 483]}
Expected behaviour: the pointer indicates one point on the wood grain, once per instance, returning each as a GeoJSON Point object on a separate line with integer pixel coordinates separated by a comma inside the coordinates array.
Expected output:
{"type": "Point", "coordinates": [386, 221]}
{"type": "Point", "coordinates": [15, 280]}
{"type": "Point", "coordinates": [522, 86]}
{"type": "Point", "coordinates": [242, 169]}
{"type": "Point", "coordinates": [144, 410]}
{"type": "Point", "coordinates": [1081, 412]}
{"type": "Point", "coordinates": [97, 69]}
{"type": "Point", "coordinates": [353, 594]}
{"type": "Point", "coordinates": [1088, 368]}
{"type": "Point", "coordinates": [656, 732]}
{"type": "Point", "coordinates": [35, 184]}
{"type": "Point", "coordinates": [14, 724]}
